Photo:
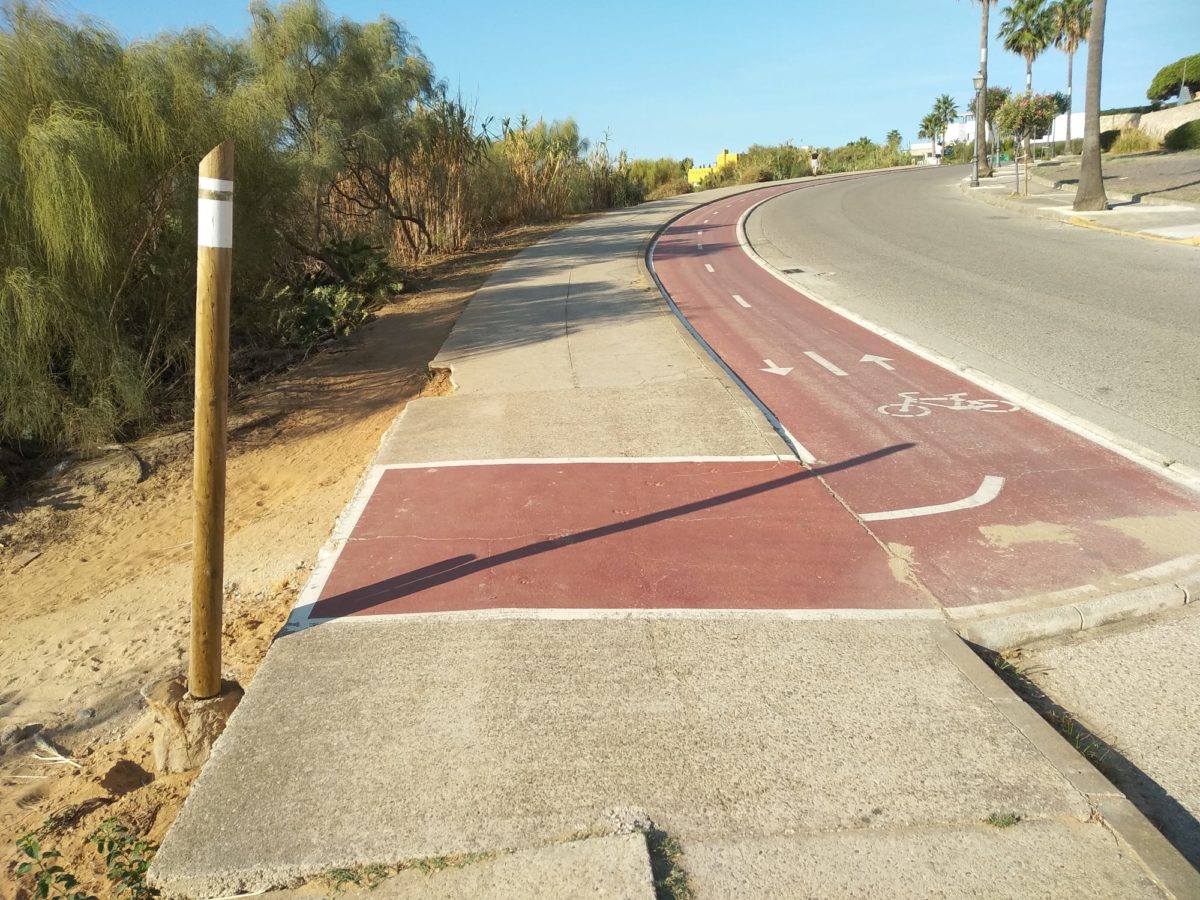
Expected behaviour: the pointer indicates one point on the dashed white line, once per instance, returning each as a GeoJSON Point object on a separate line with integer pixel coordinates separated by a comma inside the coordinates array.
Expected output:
{"type": "Point", "coordinates": [738, 298]}
{"type": "Point", "coordinates": [823, 362]}
{"type": "Point", "coordinates": [709, 267]}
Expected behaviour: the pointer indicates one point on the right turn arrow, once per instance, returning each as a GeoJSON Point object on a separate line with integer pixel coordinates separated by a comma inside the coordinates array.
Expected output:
{"type": "Point", "coordinates": [776, 370]}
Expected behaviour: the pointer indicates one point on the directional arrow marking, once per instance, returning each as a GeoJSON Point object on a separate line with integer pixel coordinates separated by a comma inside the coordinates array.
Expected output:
{"type": "Point", "coordinates": [881, 361]}
{"type": "Point", "coordinates": [776, 370]}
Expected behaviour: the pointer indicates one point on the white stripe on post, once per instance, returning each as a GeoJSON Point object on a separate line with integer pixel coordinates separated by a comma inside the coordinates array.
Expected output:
{"type": "Point", "coordinates": [214, 222]}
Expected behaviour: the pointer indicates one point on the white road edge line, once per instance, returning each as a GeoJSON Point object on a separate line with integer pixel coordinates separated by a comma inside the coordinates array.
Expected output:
{"type": "Point", "coordinates": [1130, 450]}
{"type": "Point", "coordinates": [576, 460]}
{"type": "Point", "coordinates": [989, 490]}
{"type": "Point", "coordinates": [738, 298]}
{"type": "Point", "coordinates": [823, 362]}
{"type": "Point", "coordinates": [563, 614]}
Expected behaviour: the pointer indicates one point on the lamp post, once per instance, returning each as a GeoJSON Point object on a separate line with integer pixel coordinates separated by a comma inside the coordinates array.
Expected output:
{"type": "Point", "coordinates": [981, 116]}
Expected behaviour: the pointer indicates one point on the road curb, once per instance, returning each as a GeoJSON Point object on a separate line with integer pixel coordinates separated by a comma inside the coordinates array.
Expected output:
{"type": "Point", "coordinates": [1166, 865]}
{"type": "Point", "coordinates": [1006, 632]}
{"type": "Point", "coordinates": [1066, 218]}
{"type": "Point", "coordinates": [1063, 184]}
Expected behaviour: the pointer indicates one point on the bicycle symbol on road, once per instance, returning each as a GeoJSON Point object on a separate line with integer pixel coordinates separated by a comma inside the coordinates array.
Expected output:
{"type": "Point", "coordinates": [914, 405]}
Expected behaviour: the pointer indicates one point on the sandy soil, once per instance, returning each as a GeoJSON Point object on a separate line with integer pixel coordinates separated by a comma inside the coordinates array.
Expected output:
{"type": "Point", "coordinates": [95, 567]}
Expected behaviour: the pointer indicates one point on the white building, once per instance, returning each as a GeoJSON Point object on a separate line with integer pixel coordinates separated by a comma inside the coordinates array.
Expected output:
{"type": "Point", "coordinates": [924, 152]}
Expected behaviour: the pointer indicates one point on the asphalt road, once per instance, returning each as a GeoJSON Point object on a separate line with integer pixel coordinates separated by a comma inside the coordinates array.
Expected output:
{"type": "Point", "coordinates": [1104, 326]}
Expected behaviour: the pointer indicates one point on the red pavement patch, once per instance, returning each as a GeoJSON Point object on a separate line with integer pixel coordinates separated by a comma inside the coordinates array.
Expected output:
{"type": "Point", "coordinates": [639, 535]}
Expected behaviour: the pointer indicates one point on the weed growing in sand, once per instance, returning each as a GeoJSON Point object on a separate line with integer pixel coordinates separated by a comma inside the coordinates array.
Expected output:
{"type": "Point", "coordinates": [369, 877]}
{"type": "Point", "coordinates": [126, 859]}
{"type": "Point", "coordinates": [1002, 820]}
{"type": "Point", "coordinates": [49, 878]}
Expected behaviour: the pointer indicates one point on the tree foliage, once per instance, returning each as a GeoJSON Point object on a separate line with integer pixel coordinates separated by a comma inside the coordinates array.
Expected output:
{"type": "Point", "coordinates": [1026, 29]}
{"type": "Point", "coordinates": [1027, 117]}
{"type": "Point", "coordinates": [342, 132]}
{"type": "Point", "coordinates": [1166, 83]}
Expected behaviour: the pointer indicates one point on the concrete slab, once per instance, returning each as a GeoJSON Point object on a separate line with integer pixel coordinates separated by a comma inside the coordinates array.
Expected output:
{"type": "Point", "coordinates": [424, 739]}
{"type": "Point", "coordinates": [1031, 859]}
{"type": "Point", "coordinates": [1135, 686]}
{"type": "Point", "coordinates": [570, 351]}
{"type": "Point", "coordinates": [604, 868]}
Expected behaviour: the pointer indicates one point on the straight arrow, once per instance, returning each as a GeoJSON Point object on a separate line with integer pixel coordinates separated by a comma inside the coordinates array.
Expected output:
{"type": "Point", "coordinates": [881, 361]}
{"type": "Point", "coordinates": [776, 370]}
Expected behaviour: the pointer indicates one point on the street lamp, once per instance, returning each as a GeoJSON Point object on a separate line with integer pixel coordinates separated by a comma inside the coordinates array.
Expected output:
{"type": "Point", "coordinates": [981, 117]}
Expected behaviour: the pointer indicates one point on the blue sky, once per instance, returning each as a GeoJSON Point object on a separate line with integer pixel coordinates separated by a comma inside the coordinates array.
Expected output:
{"type": "Point", "coordinates": [686, 79]}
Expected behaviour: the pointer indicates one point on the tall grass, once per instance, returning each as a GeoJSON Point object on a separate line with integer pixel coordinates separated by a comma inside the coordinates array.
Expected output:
{"type": "Point", "coordinates": [1134, 140]}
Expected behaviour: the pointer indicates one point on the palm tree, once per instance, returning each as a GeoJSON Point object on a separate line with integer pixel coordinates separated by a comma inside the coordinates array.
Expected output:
{"type": "Point", "coordinates": [1091, 195]}
{"type": "Point", "coordinates": [894, 138]}
{"type": "Point", "coordinates": [929, 129]}
{"type": "Point", "coordinates": [985, 167]}
{"type": "Point", "coordinates": [1070, 22]}
{"type": "Point", "coordinates": [1025, 31]}
{"type": "Point", "coordinates": [946, 111]}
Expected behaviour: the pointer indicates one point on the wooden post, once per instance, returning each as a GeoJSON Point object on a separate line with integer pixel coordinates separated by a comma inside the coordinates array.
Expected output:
{"type": "Point", "coordinates": [214, 264]}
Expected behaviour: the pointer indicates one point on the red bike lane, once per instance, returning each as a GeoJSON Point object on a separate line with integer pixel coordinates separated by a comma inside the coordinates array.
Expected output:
{"type": "Point", "coordinates": [989, 501]}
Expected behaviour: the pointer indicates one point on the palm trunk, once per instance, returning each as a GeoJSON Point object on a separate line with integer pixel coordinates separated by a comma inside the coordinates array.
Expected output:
{"type": "Point", "coordinates": [1028, 93]}
{"type": "Point", "coordinates": [1070, 96]}
{"type": "Point", "coordinates": [985, 168]}
{"type": "Point", "coordinates": [1091, 195]}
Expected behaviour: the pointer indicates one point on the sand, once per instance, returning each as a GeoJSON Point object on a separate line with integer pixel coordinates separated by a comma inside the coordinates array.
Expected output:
{"type": "Point", "coordinates": [95, 566]}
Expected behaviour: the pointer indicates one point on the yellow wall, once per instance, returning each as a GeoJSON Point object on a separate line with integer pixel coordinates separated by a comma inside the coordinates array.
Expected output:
{"type": "Point", "coordinates": [697, 174]}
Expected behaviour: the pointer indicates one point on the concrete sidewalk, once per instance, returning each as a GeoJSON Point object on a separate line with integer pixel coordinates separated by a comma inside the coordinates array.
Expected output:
{"type": "Point", "coordinates": [838, 753]}
{"type": "Point", "coordinates": [1175, 221]}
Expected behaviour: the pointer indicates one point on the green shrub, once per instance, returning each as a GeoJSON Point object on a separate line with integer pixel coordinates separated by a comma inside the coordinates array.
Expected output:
{"type": "Point", "coordinates": [1134, 140]}
{"type": "Point", "coordinates": [670, 189]}
{"type": "Point", "coordinates": [755, 175]}
{"type": "Point", "coordinates": [1185, 137]}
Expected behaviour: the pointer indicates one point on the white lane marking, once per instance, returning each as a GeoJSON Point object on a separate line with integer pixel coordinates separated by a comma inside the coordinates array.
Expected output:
{"type": "Point", "coordinates": [575, 460]}
{"type": "Point", "coordinates": [705, 222]}
{"type": "Point", "coordinates": [699, 246]}
{"type": "Point", "coordinates": [707, 266]}
{"type": "Point", "coordinates": [823, 362]}
{"type": "Point", "coordinates": [700, 233]}
{"type": "Point", "coordinates": [881, 361]}
{"type": "Point", "coordinates": [738, 298]}
{"type": "Point", "coordinates": [989, 490]}
{"type": "Point", "coordinates": [551, 614]}
{"type": "Point", "coordinates": [776, 370]}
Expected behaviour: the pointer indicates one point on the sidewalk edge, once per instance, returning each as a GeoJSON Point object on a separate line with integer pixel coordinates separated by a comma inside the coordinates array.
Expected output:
{"type": "Point", "coordinates": [1165, 865]}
